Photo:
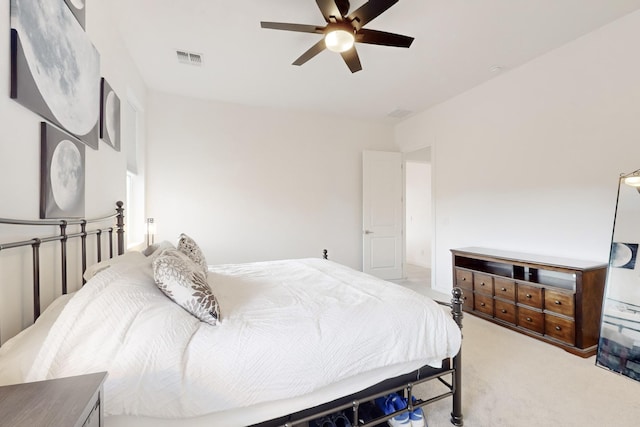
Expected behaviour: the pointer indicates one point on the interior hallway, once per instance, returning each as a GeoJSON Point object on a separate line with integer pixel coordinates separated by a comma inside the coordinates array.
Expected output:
{"type": "Point", "coordinates": [418, 279]}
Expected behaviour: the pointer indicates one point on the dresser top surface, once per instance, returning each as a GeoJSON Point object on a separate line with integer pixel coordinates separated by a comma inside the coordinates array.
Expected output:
{"type": "Point", "coordinates": [528, 258]}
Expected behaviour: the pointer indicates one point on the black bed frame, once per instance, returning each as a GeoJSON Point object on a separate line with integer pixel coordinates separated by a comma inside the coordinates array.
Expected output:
{"type": "Point", "coordinates": [450, 374]}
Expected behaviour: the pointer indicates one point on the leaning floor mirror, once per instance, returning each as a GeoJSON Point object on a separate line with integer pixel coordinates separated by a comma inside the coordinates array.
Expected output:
{"type": "Point", "coordinates": [619, 344]}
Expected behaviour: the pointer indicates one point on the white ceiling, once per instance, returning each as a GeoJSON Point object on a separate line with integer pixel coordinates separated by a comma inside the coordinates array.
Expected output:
{"type": "Point", "coordinates": [457, 44]}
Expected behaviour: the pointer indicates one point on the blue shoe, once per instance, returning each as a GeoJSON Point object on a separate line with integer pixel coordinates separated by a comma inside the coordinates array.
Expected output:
{"type": "Point", "coordinates": [417, 416]}
{"type": "Point", "coordinates": [390, 404]}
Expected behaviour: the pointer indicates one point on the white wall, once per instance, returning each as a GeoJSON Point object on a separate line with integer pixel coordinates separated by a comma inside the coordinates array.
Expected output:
{"type": "Point", "coordinates": [418, 213]}
{"type": "Point", "coordinates": [251, 184]}
{"type": "Point", "coordinates": [529, 161]}
{"type": "Point", "coordinates": [20, 159]}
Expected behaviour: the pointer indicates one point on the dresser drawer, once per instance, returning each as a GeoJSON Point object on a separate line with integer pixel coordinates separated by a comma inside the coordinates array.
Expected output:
{"type": "Point", "coordinates": [483, 283]}
{"type": "Point", "coordinates": [504, 288]}
{"type": "Point", "coordinates": [530, 295]}
{"type": "Point", "coordinates": [559, 302]}
{"type": "Point", "coordinates": [464, 279]}
{"type": "Point", "coordinates": [505, 311]}
{"type": "Point", "coordinates": [560, 328]}
{"type": "Point", "coordinates": [530, 319]}
{"type": "Point", "coordinates": [467, 299]}
{"type": "Point", "coordinates": [484, 304]}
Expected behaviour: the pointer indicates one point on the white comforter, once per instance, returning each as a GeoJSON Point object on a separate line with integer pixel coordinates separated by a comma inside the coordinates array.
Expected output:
{"type": "Point", "coordinates": [289, 328]}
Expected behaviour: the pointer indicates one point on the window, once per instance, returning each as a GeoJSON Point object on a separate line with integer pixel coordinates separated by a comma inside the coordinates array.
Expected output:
{"type": "Point", "coordinates": [135, 197]}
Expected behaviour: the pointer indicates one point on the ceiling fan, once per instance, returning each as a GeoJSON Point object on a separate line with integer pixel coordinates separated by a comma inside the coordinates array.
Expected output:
{"type": "Point", "coordinates": [343, 29]}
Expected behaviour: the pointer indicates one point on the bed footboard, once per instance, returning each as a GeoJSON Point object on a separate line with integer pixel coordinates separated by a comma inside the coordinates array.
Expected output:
{"type": "Point", "coordinates": [404, 384]}
{"type": "Point", "coordinates": [456, 312]}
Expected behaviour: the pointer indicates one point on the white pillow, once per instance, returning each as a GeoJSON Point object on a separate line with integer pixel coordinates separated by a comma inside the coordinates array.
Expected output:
{"type": "Point", "coordinates": [133, 257]}
{"type": "Point", "coordinates": [186, 284]}
{"type": "Point", "coordinates": [190, 248]}
{"type": "Point", "coordinates": [18, 353]}
{"type": "Point", "coordinates": [154, 250]}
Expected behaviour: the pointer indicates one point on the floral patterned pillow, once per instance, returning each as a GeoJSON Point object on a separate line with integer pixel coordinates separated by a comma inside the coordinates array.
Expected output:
{"type": "Point", "coordinates": [190, 248]}
{"type": "Point", "coordinates": [186, 284]}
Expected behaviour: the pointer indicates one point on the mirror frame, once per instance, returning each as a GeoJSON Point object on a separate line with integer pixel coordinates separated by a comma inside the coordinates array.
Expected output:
{"type": "Point", "coordinates": [619, 342]}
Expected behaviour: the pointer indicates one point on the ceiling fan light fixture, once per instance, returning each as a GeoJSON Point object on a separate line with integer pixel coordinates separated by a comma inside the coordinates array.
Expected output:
{"type": "Point", "coordinates": [339, 40]}
{"type": "Point", "coordinates": [633, 181]}
{"type": "Point", "coordinates": [344, 29]}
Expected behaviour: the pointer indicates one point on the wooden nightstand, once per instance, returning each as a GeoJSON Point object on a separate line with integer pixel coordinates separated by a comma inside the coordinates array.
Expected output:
{"type": "Point", "coordinates": [64, 402]}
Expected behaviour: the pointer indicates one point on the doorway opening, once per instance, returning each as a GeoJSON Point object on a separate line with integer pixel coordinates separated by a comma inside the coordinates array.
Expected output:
{"type": "Point", "coordinates": [418, 218]}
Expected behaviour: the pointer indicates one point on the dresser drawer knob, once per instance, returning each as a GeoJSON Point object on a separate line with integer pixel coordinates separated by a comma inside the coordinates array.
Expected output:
{"type": "Point", "coordinates": [464, 279]}
{"type": "Point", "coordinates": [503, 289]}
{"type": "Point", "coordinates": [503, 310]}
{"type": "Point", "coordinates": [556, 302]}
{"type": "Point", "coordinates": [529, 319]}
{"type": "Point", "coordinates": [558, 328]}
{"type": "Point", "coordinates": [482, 304]}
{"type": "Point", "coordinates": [528, 295]}
{"type": "Point", "coordinates": [482, 284]}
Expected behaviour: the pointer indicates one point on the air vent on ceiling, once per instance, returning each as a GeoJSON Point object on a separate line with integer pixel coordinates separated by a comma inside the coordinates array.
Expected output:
{"type": "Point", "coordinates": [399, 113]}
{"type": "Point", "coordinates": [191, 58]}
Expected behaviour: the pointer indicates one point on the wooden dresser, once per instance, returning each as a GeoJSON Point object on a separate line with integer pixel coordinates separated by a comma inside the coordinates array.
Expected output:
{"type": "Point", "coordinates": [69, 402]}
{"type": "Point", "coordinates": [556, 300]}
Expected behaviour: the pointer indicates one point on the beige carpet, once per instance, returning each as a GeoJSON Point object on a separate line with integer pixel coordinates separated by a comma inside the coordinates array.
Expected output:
{"type": "Point", "coordinates": [511, 380]}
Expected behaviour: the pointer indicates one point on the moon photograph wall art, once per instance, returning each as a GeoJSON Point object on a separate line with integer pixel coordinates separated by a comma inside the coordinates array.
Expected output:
{"type": "Point", "coordinates": [55, 67]}
{"type": "Point", "coordinates": [78, 9]}
{"type": "Point", "coordinates": [109, 116]}
{"type": "Point", "coordinates": [62, 174]}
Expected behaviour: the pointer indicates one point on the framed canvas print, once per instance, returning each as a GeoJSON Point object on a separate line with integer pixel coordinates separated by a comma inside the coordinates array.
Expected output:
{"type": "Point", "coordinates": [55, 69]}
{"type": "Point", "coordinates": [62, 174]}
{"type": "Point", "coordinates": [77, 7]}
{"type": "Point", "coordinates": [619, 342]}
{"type": "Point", "coordinates": [109, 116]}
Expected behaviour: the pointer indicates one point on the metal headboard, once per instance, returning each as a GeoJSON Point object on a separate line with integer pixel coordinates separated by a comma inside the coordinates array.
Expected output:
{"type": "Point", "coordinates": [63, 236]}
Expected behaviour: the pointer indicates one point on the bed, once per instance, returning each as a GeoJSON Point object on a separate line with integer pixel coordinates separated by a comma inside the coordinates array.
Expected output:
{"type": "Point", "coordinates": [286, 342]}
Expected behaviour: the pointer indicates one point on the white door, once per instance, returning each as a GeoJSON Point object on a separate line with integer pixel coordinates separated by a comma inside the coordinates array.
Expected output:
{"type": "Point", "coordinates": [382, 214]}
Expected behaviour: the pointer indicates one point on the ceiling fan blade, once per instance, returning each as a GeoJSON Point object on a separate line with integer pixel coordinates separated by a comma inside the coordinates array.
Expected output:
{"type": "Point", "coordinates": [329, 8]}
{"type": "Point", "coordinates": [352, 59]}
{"type": "Point", "coordinates": [301, 28]}
{"type": "Point", "coordinates": [383, 38]}
{"type": "Point", "coordinates": [369, 11]}
{"type": "Point", "coordinates": [313, 51]}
